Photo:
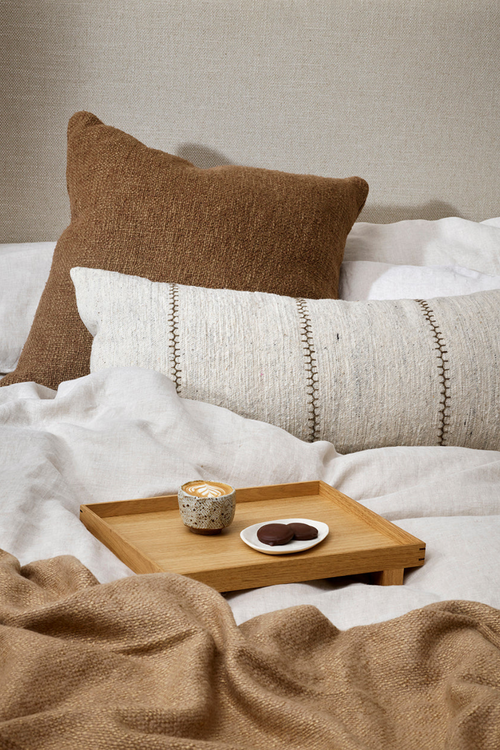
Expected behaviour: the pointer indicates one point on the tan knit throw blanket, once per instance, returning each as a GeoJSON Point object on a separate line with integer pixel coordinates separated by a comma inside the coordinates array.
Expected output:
{"type": "Point", "coordinates": [156, 661]}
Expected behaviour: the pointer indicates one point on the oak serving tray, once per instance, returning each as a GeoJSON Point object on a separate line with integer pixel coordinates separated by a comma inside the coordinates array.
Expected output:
{"type": "Point", "coordinates": [149, 536]}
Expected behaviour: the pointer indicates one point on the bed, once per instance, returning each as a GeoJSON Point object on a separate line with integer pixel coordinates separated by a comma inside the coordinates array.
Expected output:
{"type": "Point", "coordinates": [279, 262]}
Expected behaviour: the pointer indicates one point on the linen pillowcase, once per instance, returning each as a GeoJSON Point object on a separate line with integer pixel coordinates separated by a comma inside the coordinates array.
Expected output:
{"type": "Point", "coordinates": [358, 374]}
{"type": "Point", "coordinates": [364, 279]}
{"type": "Point", "coordinates": [445, 242]}
{"type": "Point", "coordinates": [24, 269]}
{"type": "Point", "coordinates": [141, 211]}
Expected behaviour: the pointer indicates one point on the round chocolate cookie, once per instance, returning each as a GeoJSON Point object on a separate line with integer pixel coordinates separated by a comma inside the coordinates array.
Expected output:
{"type": "Point", "coordinates": [303, 531]}
{"type": "Point", "coordinates": [275, 533]}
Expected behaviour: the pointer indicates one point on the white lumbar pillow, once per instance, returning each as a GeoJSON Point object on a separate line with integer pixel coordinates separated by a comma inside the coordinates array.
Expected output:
{"type": "Point", "coordinates": [359, 374]}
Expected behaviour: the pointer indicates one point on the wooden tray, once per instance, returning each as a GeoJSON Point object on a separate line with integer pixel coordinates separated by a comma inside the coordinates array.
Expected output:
{"type": "Point", "coordinates": [149, 536]}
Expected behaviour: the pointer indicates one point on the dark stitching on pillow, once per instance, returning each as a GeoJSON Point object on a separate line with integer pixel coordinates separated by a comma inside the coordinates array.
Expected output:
{"type": "Point", "coordinates": [306, 336]}
{"type": "Point", "coordinates": [445, 380]}
{"type": "Point", "coordinates": [173, 335]}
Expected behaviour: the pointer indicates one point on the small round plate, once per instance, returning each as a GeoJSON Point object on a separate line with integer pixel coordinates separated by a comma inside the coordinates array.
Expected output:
{"type": "Point", "coordinates": [249, 536]}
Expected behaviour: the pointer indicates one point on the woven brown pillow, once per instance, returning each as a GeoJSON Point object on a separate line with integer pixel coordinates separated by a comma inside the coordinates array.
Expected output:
{"type": "Point", "coordinates": [144, 212]}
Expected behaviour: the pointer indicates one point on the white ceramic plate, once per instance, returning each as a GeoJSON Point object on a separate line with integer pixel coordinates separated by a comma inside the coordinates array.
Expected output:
{"type": "Point", "coordinates": [249, 536]}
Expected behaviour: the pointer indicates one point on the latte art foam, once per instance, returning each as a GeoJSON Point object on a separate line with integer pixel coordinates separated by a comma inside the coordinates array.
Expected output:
{"type": "Point", "coordinates": [207, 489]}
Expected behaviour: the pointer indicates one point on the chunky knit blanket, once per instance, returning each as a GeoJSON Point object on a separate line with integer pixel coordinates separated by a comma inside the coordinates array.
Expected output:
{"type": "Point", "coordinates": [156, 661]}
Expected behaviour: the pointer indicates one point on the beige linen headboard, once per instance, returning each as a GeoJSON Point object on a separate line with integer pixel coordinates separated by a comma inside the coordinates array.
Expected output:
{"type": "Point", "coordinates": [404, 94]}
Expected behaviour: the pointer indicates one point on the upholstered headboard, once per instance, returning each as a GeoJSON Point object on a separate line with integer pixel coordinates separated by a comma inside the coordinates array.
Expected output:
{"type": "Point", "coordinates": [405, 95]}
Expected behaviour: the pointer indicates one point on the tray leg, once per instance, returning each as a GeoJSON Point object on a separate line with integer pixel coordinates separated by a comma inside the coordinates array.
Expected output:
{"type": "Point", "coordinates": [392, 577]}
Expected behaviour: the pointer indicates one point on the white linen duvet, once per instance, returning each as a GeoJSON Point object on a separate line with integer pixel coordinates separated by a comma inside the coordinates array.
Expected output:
{"type": "Point", "coordinates": [124, 433]}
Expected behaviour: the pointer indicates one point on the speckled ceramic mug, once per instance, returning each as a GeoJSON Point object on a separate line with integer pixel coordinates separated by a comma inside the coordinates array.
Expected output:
{"type": "Point", "coordinates": [206, 507]}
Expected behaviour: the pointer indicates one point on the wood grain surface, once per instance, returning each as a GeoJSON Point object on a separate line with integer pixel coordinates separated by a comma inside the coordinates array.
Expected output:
{"type": "Point", "coordinates": [149, 536]}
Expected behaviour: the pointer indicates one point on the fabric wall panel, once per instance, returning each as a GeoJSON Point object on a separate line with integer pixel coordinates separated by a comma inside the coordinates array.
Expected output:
{"type": "Point", "coordinates": [403, 94]}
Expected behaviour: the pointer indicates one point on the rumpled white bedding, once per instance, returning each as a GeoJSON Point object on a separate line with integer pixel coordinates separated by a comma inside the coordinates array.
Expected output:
{"type": "Point", "coordinates": [452, 241]}
{"type": "Point", "coordinates": [124, 433]}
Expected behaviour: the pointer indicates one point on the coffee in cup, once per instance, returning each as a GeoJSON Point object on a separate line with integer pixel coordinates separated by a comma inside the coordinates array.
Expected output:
{"type": "Point", "coordinates": [206, 507]}
{"type": "Point", "coordinates": [207, 489]}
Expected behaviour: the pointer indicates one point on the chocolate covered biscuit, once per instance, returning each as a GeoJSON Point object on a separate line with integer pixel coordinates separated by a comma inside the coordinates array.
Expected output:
{"type": "Point", "coordinates": [303, 531]}
{"type": "Point", "coordinates": [275, 534]}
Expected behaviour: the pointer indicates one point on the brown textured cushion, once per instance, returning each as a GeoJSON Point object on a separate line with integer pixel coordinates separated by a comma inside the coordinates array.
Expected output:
{"type": "Point", "coordinates": [141, 211]}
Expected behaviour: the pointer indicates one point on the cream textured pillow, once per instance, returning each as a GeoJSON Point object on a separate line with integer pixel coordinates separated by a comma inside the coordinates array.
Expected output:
{"type": "Point", "coordinates": [359, 374]}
